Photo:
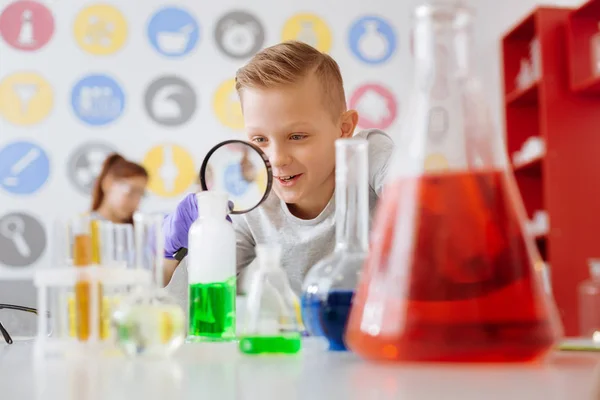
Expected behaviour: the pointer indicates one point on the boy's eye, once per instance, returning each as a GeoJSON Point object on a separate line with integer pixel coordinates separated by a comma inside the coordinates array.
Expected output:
{"type": "Point", "coordinates": [258, 140]}
{"type": "Point", "coordinates": [297, 137]}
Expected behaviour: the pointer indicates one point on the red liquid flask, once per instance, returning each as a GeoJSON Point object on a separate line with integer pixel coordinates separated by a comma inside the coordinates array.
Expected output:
{"type": "Point", "coordinates": [451, 275]}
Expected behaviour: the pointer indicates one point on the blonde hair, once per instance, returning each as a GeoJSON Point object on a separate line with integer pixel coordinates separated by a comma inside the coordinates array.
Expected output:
{"type": "Point", "coordinates": [290, 62]}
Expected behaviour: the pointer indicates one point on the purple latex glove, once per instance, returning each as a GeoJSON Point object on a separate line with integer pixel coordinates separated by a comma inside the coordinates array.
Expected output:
{"type": "Point", "coordinates": [176, 225]}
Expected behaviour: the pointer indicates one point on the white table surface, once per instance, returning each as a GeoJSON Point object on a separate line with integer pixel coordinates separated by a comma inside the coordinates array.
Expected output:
{"type": "Point", "coordinates": [218, 371]}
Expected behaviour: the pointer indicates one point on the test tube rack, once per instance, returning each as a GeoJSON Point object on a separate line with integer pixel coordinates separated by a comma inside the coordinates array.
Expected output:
{"type": "Point", "coordinates": [59, 330]}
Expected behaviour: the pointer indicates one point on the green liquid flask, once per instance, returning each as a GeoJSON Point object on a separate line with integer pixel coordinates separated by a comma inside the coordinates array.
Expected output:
{"type": "Point", "coordinates": [212, 271]}
{"type": "Point", "coordinates": [272, 323]}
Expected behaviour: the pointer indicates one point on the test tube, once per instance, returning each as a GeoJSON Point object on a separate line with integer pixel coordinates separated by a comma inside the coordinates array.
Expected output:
{"type": "Point", "coordinates": [149, 245]}
{"type": "Point", "coordinates": [82, 257]}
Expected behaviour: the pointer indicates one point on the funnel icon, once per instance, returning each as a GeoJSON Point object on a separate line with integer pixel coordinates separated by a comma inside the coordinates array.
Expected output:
{"type": "Point", "coordinates": [25, 92]}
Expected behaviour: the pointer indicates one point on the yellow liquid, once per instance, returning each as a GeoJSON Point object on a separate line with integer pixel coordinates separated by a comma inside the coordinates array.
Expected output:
{"type": "Point", "coordinates": [108, 304]}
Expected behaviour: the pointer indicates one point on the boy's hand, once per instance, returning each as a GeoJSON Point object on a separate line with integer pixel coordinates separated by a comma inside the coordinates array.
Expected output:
{"type": "Point", "coordinates": [176, 225]}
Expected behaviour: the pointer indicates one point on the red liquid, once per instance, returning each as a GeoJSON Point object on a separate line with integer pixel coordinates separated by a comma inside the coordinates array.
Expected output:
{"type": "Point", "coordinates": [450, 277]}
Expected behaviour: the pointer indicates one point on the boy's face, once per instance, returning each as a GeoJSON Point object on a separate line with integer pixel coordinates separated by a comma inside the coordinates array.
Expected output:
{"type": "Point", "coordinates": [297, 132]}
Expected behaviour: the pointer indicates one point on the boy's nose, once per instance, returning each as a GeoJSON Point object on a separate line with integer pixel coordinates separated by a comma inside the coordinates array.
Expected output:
{"type": "Point", "coordinates": [279, 158]}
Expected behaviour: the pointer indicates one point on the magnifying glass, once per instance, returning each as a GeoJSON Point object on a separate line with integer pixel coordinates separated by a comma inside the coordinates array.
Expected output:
{"type": "Point", "coordinates": [12, 228]}
{"type": "Point", "coordinates": [239, 169]}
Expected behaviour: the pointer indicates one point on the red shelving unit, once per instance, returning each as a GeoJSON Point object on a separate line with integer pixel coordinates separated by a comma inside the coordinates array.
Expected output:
{"type": "Point", "coordinates": [582, 25]}
{"type": "Point", "coordinates": [561, 106]}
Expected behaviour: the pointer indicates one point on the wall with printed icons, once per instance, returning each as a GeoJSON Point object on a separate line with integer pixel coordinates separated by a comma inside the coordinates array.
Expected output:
{"type": "Point", "coordinates": [154, 80]}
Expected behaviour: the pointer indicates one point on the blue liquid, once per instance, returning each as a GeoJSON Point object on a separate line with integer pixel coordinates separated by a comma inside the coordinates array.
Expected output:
{"type": "Point", "coordinates": [328, 318]}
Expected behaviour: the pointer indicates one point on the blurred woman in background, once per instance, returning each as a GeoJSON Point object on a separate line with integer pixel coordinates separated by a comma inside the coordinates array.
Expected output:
{"type": "Point", "coordinates": [118, 190]}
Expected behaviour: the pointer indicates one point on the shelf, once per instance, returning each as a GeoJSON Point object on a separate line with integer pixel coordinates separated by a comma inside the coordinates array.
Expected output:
{"type": "Point", "coordinates": [592, 7]}
{"type": "Point", "coordinates": [527, 96]}
{"type": "Point", "coordinates": [533, 166]}
{"type": "Point", "coordinates": [582, 25]}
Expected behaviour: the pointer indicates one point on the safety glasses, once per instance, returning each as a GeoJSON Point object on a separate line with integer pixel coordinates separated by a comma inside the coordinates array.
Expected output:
{"type": "Point", "coordinates": [14, 307]}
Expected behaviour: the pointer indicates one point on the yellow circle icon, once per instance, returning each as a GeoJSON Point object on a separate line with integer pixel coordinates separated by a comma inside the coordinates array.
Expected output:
{"type": "Point", "coordinates": [310, 29]}
{"type": "Point", "coordinates": [100, 29]}
{"type": "Point", "coordinates": [171, 169]}
{"type": "Point", "coordinates": [226, 104]}
{"type": "Point", "coordinates": [436, 162]}
{"type": "Point", "coordinates": [25, 98]}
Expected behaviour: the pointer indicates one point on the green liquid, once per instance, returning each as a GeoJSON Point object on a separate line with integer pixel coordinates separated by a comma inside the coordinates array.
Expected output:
{"type": "Point", "coordinates": [212, 311]}
{"type": "Point", "coordinates": [282, 344]}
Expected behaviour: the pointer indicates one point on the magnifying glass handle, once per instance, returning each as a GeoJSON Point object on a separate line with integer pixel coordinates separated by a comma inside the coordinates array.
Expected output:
{"type": "Point", "coordinates": [180, 254]}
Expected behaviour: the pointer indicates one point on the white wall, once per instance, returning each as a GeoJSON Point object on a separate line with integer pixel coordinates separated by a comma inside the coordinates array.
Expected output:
{"type": "Point", "coordinates": [63, 63]}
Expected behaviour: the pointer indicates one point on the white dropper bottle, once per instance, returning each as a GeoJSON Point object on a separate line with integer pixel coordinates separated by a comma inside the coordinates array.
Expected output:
{"type": "Point", "coordinates": [212, 270]}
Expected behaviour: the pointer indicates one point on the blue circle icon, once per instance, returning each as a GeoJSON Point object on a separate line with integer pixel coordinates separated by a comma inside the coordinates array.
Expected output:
{"type": "Point", "coordinates": [97, 100]}
{"type": "Point", "coordinates": [235, 183]}
{"type": "Point", "coordinates": [24, 167]}
{"type": "Point", "coordinates": [173, 32]}
{"type": "Point", "coordinates": [372, 39]}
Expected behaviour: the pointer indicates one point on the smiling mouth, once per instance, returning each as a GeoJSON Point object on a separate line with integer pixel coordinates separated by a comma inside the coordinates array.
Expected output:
{"type": "Point", "coordinates": [286, 178]}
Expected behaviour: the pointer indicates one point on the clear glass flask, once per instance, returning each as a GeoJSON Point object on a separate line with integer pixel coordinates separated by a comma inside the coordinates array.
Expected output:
{"type": "Point", "coordinates": [272, 321]}
{"type": "Point", "coordinates": [148, 321]}
{"type": "Point", "coordinates": [451, 275]}
{"type": "Point", "coordinates": [589, 303]}
{"type": "Point", "coordinates": [329, 286]}
{"type": "Point", "coordinates": [212, 271]}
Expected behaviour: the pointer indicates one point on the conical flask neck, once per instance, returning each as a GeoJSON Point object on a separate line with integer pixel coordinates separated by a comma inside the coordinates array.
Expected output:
{"type": "Point", "coordinates": [352, 195]}
{"type": "Point", "coordinates": [442, 40]}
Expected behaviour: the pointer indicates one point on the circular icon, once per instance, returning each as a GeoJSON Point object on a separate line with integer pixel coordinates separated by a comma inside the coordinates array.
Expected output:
{"type": "Point", "coordinates": [372, 39]}
{"type": "Point", "coordinates": [376, 106]}
{"type": "Point", "coordinates": [85, 164]}
{"type": "Point", "coordinates": [25, 98]}
{"type": "Point", "coordinates": [100, 29]}
{"type": "Point", "coordinates": [239, 34]}
{"type": "Point", "coordinates": [173, 32]}
{"type": "Point", "coordinates": [436, 162]}
{"type": "Point", "coordinates": [171, 169]}
{"type": "Point", "coordinates": [26, 25]}
{"type": "Point", "coordinates": [227, 107]}
{"type": "Point", "coordinates": [24, 167]}
{"type": "Point", "coordinates": [22, 239]}
{"type": "Point", "coordinates": [170, 101]}
{"type": "Point", "coordinates": [310, 29]}
{"type": "Point", "coordinates": [97, 100]}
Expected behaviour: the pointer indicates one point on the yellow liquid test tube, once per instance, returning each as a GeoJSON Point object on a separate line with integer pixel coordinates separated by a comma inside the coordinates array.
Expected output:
{"type": "Point", "coordinates": [82, 257]}
{"type": "Point", "coordinates": [86, 251]}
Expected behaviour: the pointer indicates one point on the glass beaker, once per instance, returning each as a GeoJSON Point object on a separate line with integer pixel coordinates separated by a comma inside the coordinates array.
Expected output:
{"type": "Point", "coordinates": [148, 321]}
{"type": "Point", "coordinates": [329, 286]}
{"type": "Point", "coordinates": [451, 275]}
{"type": "Point", "coordinates": [589, 303]}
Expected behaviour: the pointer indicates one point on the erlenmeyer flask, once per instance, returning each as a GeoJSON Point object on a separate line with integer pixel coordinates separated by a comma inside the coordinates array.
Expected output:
{"type": "Point", "coordinates": [451, 275]}
{"type": "Point", "coordinates": [272, 317]}
{"type": "Point", "coordinates": [329, 286]}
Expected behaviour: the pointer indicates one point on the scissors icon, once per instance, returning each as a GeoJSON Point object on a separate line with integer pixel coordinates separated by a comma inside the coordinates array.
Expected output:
{"type": "Point", "coordinates": [12, 228]}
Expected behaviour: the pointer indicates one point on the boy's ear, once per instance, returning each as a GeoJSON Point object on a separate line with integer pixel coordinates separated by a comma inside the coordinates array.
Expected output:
{"type": "Point", "coordinates": [348, 124]}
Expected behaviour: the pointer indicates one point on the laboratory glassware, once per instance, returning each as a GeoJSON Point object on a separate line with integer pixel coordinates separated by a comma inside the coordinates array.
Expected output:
{"type": "Point", "coordinates": [212, 271]}
{"type": "Point", "coordinates": [451, 275]}
{"type": "Point", "coordinates": [272, 322]}
{"type": "Point", "coordinates": [329, 286]}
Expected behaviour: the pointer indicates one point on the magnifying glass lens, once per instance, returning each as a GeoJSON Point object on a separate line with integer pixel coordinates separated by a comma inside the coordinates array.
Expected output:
{"type": "Point", "coordinates": [240, 169]}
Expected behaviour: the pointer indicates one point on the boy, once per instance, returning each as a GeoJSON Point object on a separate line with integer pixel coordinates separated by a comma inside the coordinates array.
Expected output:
{"type": "Point", "coordinates": [294, 109]}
